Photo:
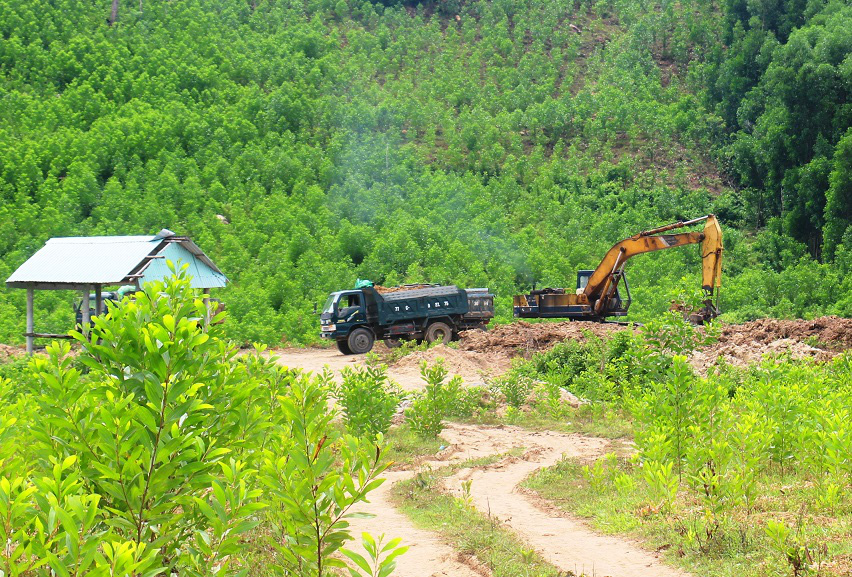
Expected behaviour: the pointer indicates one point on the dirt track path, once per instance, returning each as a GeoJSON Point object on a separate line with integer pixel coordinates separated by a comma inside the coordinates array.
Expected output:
{"type": "Point", "coordinates": [406, 373]}
{"type": "Point", "coordinates": [428, 555]}
{"type": "Point", "coordinates": [566, 543]}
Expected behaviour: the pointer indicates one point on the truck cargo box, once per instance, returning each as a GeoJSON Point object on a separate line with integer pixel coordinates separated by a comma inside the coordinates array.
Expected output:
{"type": "Point", "coordinates": [395, 307]}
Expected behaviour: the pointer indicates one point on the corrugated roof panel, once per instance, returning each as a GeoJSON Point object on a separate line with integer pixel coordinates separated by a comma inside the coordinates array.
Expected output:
{"type": "Point", "coordinates": [108, 260]}
{"type": "Point", "coordinates": [203, 276]}
{"type": "Point", "coordinates": [90, 260]}
{"type": "Point", "coordinates": [101, 239]}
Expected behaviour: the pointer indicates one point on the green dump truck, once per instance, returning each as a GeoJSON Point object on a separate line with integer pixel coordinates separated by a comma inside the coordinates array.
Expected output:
{"type": "Point", "coordinates": [356, 318]}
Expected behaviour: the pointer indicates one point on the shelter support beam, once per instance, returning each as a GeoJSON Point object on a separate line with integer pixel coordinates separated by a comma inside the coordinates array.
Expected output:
{"type": "Point", "coordinates": [30, 320]}
{"type": "Point", "coordinates": [207, 314]}
{"type": "Point", "coordinates": [99, 300]}
{"type": "Point", "coordinates": [84, 309]}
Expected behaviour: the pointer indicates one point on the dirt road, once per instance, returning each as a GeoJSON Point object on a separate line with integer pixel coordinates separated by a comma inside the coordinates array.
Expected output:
{"type": "Point", "coordinates": [481, 356]}
{"type": "Point", "coordinates": [428, 555]}
{"type": "Point", "coordinates": [474, 368]}
{"type": "Point", "coordinates": [566, 543]}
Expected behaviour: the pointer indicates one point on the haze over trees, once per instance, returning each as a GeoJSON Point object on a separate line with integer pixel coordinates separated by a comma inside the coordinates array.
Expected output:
{"type": "Point", "coordinates": [305, 144]}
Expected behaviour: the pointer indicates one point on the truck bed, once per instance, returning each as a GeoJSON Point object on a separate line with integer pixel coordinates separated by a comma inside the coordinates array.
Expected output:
{"type": "Point", "coordinates": [400, 306]}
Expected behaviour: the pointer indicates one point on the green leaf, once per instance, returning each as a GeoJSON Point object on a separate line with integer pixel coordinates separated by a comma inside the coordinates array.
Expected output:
{"type": "Point", "coordinates": [358, 560]}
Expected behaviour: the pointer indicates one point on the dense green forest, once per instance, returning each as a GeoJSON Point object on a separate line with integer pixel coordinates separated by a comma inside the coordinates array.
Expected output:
{"type": "Point", "coordinates": [306, 143]}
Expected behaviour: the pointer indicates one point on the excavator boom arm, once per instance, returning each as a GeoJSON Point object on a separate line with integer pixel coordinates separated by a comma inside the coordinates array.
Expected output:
{"type": "Point", "coordinates": [603, 279]}
{"type": "Point", "coordinates": [711, 255]}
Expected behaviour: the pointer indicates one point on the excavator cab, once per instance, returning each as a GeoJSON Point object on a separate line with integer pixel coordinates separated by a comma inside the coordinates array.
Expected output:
{"type": "Point", "coordinates": [617, 307]}
{"type": "Point", "coordinates": [583, 279]}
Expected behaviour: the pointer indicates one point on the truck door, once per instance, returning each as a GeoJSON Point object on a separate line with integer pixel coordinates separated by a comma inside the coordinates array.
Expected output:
{"type": "Point", "coordinates": [350, 308]}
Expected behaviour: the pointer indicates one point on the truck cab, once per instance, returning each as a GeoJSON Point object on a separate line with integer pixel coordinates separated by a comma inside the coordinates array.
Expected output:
{"type": "Point", "coordinates": [342, 311]}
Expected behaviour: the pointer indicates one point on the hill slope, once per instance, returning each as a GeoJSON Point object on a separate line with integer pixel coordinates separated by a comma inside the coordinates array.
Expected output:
{"type": "Point", "coordinates": [304, 144]}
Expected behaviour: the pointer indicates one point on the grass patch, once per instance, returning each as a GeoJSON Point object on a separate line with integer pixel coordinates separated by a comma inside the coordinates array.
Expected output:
{"type": "Point", "coordinates": [720, 541]}
{"type": "Point", "coordinates": [596, 419]}
{"type": "Point", "coordinates": [474, 534]}
{"type": "Point", "coordinates": [404, 446]}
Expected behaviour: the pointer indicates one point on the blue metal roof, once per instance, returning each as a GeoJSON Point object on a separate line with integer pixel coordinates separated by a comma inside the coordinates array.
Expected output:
{"type": "Point", "coordinates": [111, 260]}
{"type": "Point", "coordinates": [203, 275]}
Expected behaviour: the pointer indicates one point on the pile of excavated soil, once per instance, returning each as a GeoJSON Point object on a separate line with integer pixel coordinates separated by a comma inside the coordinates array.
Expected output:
{"type": "Point", "coordinates": [828, 333]}
{"type": "Point", "coordinates": [524, 339]}
{"type": "Point", "coordinates": [9, 352]}
{"type": "Point", "coordinates": [748, 353]}
{"type": "Point", "coordinates": [740, 345]}
{"type": "Point", "coordinates": [458, 362]}
{"type": "Point", "coordinates": [744, 344]}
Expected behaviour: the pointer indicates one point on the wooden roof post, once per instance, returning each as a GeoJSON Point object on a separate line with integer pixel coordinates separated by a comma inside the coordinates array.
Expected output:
{"type": "Point", "coordinates": [207, 314]}
{"type": "Point", "coordinates": [30, 322]}
{"type": "Point", "coordinates": [99, 300]}
{"type": "Point", "coordinates": [84, 310]}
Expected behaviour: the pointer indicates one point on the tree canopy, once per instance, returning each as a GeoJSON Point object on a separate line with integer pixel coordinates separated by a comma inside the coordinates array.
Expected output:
{"type": "Point", "coordinates": [306, 143]}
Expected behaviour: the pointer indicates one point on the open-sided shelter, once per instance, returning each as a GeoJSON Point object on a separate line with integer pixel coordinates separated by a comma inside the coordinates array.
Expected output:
{"type": "Point", "coordinates": [91, 263]}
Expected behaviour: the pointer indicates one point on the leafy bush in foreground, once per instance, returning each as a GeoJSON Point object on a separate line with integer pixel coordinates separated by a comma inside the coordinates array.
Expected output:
{"type": "Point", "coordinates": [155, 449]}
{"type": "Point", "coordinates": [368, 399]}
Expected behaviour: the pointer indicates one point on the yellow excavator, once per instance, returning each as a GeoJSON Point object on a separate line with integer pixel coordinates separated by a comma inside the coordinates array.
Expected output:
{"type": "Point", "coordinates": [598, 296]}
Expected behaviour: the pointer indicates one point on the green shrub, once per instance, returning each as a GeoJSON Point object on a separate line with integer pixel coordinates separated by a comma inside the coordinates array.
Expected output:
{"type": "Point", "coordinates": [150, 428]}
{"type": "Point", "coordinates": [515, 389]}
{"type": "Point", "coordinates": [435, 402]}
{"type": "Point", "coordinates": [167, 449]}
{"type": "Point", "coordinates": [313, 478]}
{"type": "Point", "coordinates": [368, 399]}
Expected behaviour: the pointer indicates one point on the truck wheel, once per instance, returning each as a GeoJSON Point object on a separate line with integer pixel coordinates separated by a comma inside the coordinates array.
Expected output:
{"type": "Point", "coordinates": [360, 341]}
{"type": "Point", "coordinates": [392, 343]}
{"type": "Point", "coordinates": [343, 347]}
{"type": "Point", "coordinates": [439, 331]}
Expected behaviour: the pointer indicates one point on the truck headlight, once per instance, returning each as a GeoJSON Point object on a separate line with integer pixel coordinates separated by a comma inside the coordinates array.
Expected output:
{"type": "Point", "coordinates": [329, 328]}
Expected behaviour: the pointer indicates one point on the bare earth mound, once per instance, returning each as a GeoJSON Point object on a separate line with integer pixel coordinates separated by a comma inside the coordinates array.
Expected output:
{"type": "Point", "coordinates": [829, 333]}
{"type": "Point", "coordinates": [458, 362]}
{"type": "Point", "coordinates": [524, 339]}
{"type": "Point", "coordinates": [740, 345]}
{"type": "Point", "coordinates": [8, 352]}
{"type": "Point", "coordinates": [484, 355]}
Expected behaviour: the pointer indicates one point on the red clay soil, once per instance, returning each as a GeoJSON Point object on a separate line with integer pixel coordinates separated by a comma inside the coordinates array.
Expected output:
{"type": "Point", "coordinates": [828, 333]}
{"type": "Point", "coordinates": [524, 339]}
{"type": "Point", "coordinates": [9, 352]}
{"type": "Point", "coordinates": [820, 338]}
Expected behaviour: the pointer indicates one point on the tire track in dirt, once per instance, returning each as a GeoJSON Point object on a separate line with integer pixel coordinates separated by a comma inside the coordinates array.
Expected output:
{"type": "Point", "coordinates": [428, 555]}
{"type": "Point", "coordinates": [566, 543]}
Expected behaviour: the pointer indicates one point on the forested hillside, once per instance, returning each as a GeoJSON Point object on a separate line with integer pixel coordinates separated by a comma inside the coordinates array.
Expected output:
{"type": "Point", "coordinates": [304, 144]}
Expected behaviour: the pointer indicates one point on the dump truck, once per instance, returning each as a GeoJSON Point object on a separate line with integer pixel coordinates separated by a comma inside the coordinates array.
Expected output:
{"type": "Point", "coordinates": [598, 294]}
{"type": "Point", "coordinates": [356, 318]}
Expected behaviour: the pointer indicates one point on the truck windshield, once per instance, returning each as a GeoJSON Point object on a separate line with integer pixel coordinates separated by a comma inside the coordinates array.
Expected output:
{"type": "Point", "coordinates": [328, 307]}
